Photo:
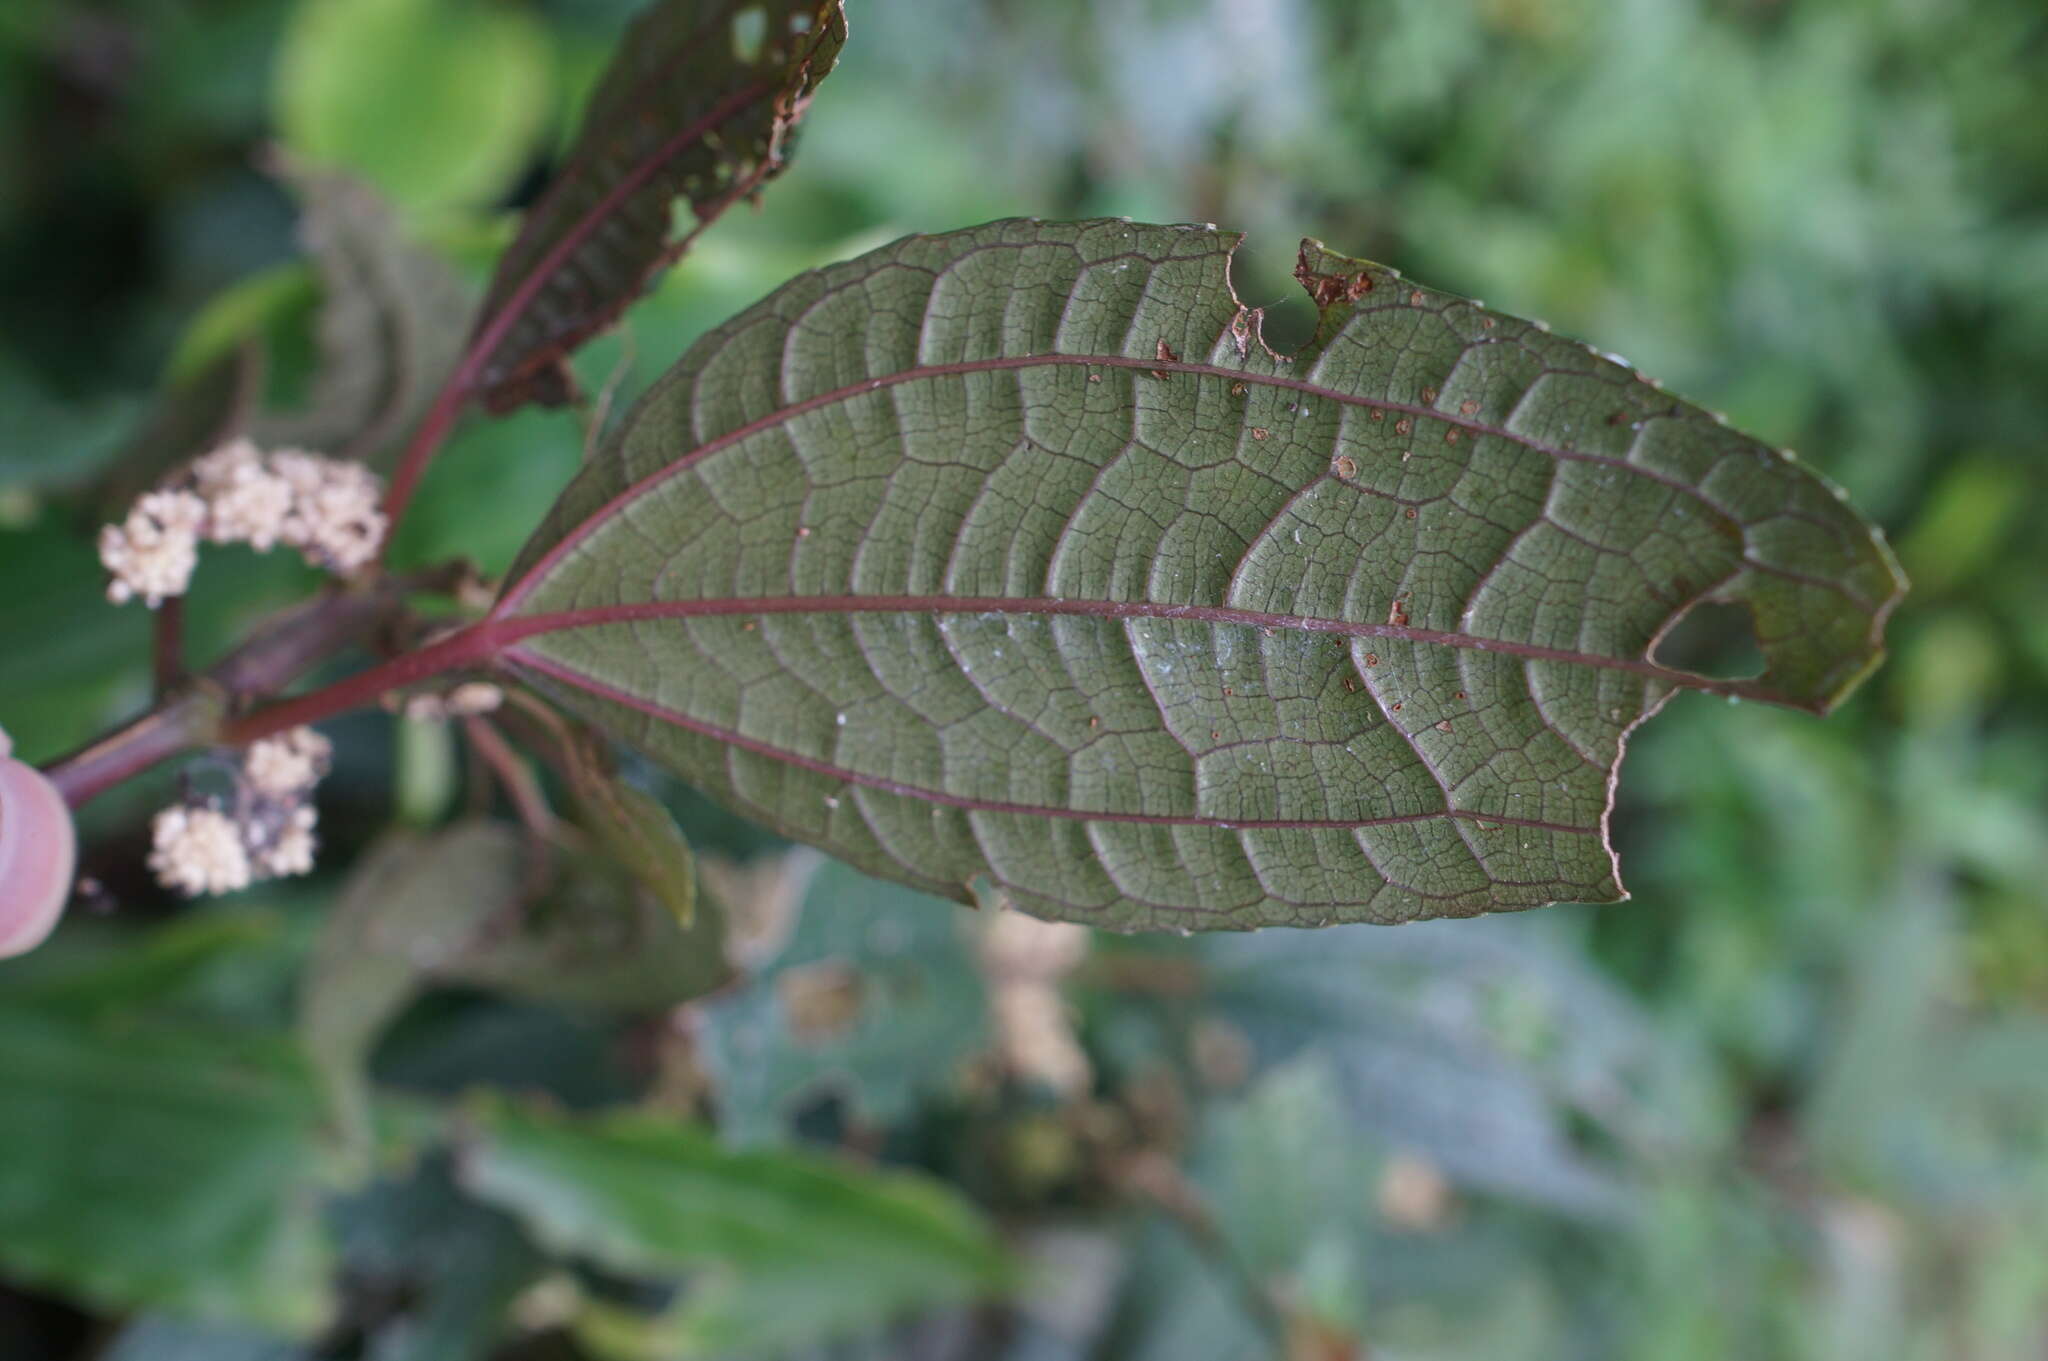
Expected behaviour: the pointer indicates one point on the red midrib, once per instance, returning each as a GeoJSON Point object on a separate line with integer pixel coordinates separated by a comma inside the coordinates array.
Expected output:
{"type": "Point", "coordinates": [518, 590]}
{"type": "Point", "coordinates": [508, 632]}
{"type": "Point", "coordinates": [569, 675]}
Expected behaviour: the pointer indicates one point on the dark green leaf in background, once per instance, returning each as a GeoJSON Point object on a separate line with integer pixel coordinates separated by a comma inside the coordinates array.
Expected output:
{"type": "Point", "coordinates": [144, 1162]}
{"type": "Point", "coordinates": [790, 1247]}
{"type": "Point", "coordinates": [391, 324]}
{"type": "Point", "coordinates": [1015, 553]}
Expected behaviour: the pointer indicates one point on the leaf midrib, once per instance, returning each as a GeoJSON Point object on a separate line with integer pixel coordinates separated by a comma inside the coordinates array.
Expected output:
{"type": "Point", "coordinates": [569, 675]}
{"type": "Point", "coordinates": [517, 591]}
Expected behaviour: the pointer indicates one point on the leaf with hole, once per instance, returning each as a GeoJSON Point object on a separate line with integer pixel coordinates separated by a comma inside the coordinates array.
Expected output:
{"type": "Point", "coordinates": [698, 105]}
{"type": "Point", "coordinates": [1014, 553]}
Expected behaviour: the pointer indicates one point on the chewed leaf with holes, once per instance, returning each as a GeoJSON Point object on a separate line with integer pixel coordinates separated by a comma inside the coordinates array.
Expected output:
{"type": "Point", "coordinates": [698, 105]}
{"type": "Point", "coordinates": [1014, 553]}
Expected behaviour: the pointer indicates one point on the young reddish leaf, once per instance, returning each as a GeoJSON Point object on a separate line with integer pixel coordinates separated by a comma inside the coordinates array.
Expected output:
{"type": "Point", "coordinates": [1015, 552]}
{"type": "Point", "coordinates": [697, 105]}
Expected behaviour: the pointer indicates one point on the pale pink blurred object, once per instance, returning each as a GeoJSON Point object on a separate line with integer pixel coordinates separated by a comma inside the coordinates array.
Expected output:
{"type": "Point", "coordinates": [38, 854]}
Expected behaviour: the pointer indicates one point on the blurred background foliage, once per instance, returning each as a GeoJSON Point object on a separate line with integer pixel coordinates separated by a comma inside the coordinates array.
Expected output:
{"type": "Point", "coordinates": [1792, 1101]}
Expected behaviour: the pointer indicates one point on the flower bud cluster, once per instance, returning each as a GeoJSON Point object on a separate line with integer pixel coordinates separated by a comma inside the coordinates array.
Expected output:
{"type": "Point", "coordinates": [467, 700]}
{"type": "Point", "coordinates": [265, 832]}
{"type": "Point", "coordinates": [328, 509]}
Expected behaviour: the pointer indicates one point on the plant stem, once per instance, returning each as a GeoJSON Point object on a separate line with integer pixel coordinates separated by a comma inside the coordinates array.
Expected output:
{"type": "Point", "coordinates": [167, 646]}
{"type": "Point", "coordinates": [474, 646]}
{"type": "Point", "coordinates": [197, 713]}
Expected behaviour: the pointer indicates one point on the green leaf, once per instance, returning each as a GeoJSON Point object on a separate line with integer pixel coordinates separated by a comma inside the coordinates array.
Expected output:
{"type": "Point", "coordinates": [698, 105]}
{"type": "Point", "coordinates": [597, 939]}
{"type": "Point", "coordinates": [412, 908]}
{"type": "Point", "coordinates": [791, 1247]}
{"type": "Point", "coordinates": [390, 329]}
{"type": "Point", "coordinates": [438, 104]}
{"type": "Point", "coordinates": [146, 1163]}
{"type": "Point", "coordinates": [635, 828]}
{"type": "Point", "coordinates": [1015, 553]}
{"type": "Point", "coordinates": [459, 906]}
{"type": "Point", "coordinates": [874, 994]}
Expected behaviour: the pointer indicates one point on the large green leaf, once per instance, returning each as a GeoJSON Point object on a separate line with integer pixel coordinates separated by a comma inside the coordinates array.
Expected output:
{"type": "Point", "coordinates": [792, 1247]}
{"type": "Point", "coordinates": [149, 1163]}
{"type": "Point", "coordinates": [1015, 553]}
{"type": "Point", "coordinates": [697, 105]}
{"type": "Point", "coordinates": [458, 906]}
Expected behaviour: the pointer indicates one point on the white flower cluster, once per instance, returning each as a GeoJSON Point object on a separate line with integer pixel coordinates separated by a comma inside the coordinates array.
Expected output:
{"type": "Point", "coordinates": [328, 509]}
{"type": "Point", "coordinates": [204, 848]}
{"type": "Point", "coordinates": [152, 552]}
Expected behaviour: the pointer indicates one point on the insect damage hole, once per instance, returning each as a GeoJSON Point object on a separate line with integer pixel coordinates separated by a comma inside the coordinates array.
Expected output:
{"type": "Point", "coordinates": [1712, 638]}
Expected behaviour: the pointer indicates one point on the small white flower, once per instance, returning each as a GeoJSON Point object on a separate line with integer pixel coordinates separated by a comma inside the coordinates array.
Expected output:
{"type": "Point", "coordinates": [153, 552]}
{"type": "Point", "coordinates": [246, 502]}
{"type": "Point", "coordinates": [292, 850]}
{"type": "Point", "coordinates": [198, 850]}
{"type": "Point", "coordinates": [289, 764]}
{"type": "Point", "coordinates": [336, 519]}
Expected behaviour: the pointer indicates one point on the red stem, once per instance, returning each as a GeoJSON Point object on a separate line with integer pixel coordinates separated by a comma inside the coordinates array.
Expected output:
{"type": "Point", "coordinates": [167, 645]}
{"type": "Point", "coordinates": [475, 646]}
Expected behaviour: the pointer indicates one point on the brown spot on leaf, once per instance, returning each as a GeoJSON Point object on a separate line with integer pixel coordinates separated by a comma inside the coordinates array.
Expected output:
{"type": "Point", "coordinates": [1451, 435]}
{"type": "Point", "coordinates": [1329, 289]}
{"type": "Point", "coordinates": [1378, 414]}
{"type": "Point", "coordinates": [1237, 389]}
{"type": "Point", "coordinates": [1411, 512]}
{"type": "Point", "coordinates": [821, 1001]}
{"type": "Point", "coordinates": [1165, 355]}
{"type": "Point", "coordinates": [1372, 659]}
{"type": "Point", "coordinates": [1428, 395]}
{"type": "Point", "coordinates": [1443, 725]}
{"type": "Point", "coordinates": [1094, 377]}
{"type": "Point", "coordinates": [1468, 407]}
{"type": "Point", "coordinates": [1415, 298]}
{"type": "Point", "coordinates": [1347, 467]}
{"type": "Point", "coordinates": [1403, 426]}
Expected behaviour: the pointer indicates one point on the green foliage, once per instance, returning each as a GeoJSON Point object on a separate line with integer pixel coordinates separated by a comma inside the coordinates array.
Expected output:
{"type": "Point", "coordinates": [159, 1163]}
{"type": "Point", "coordinates": [793, 1246]}
{"type": "Point", "coordinates": [437, 104]}
{"type": "Point", "coordinates": [856, 990]}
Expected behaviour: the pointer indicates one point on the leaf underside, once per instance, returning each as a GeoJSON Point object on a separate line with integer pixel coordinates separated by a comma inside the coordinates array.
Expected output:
{"type": "Point", "coordinates": [693, 107]}
{"type": "Point", "coordinates": [1015, 553]}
